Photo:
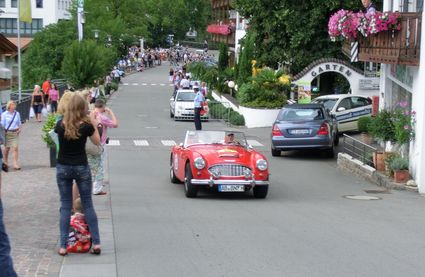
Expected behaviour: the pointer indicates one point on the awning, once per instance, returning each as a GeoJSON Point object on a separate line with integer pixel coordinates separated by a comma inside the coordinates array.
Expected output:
{"type": "Point", "coordinates": [223, 29]}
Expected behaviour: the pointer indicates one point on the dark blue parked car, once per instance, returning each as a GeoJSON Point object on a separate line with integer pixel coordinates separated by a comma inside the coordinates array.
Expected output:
{"type": "Point", "coordinates": [304, 126]}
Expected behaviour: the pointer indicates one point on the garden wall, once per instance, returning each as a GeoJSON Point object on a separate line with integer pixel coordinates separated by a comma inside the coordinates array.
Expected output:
{"type": "Point", "coordinates": [253, 117]}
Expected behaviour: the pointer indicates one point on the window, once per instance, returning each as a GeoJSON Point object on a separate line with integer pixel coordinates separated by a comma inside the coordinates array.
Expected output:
{"type": "Point", "coordinates": [14, 3]}
{"type": "Point", "coordinates": [39, 3]}
{"type": "Point", "coordinates": [345, 103]}
{"type": "Point", "coordinates": [359, 102]}
{"type": "Point", "coordinates": [9, 26]}
{"type": "Point", "coordinates": [2, 4]}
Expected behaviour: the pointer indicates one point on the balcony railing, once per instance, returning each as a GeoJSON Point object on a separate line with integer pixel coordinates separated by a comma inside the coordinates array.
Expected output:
{"type": "Point", "coordinates": [398, 47]}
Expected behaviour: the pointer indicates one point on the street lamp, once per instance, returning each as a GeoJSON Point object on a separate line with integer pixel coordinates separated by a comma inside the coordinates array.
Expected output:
{"type": "Point", "coordinates": [109, 41]}
{"type": "Point", "coordinates": [96, 34]}
{"type": "Point", "coordinates": [231, 85]}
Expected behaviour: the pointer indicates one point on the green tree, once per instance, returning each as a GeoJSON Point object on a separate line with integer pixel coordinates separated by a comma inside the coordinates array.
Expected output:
{"type": "Point", "coordinates": [246, 56]}
{"type": "Point", "coordinates": [288, 31]}
{"type": "Point", "coordinates": [44, 57]}
{"type": "Point", "coordinates": [223, 57]}
{"type": "Point", "coordinates": [85, 61]}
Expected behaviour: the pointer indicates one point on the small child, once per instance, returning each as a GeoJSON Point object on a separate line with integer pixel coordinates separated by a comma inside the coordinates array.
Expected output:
{"type": "Point", "coordinates": [79, 240]}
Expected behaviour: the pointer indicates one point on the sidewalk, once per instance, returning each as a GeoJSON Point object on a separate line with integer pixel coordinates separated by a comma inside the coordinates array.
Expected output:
{"type": "Point", "coordinates": [31, 207]}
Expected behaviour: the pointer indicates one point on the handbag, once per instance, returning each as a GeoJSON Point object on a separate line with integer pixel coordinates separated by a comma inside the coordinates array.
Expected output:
{"type": "Point", "coordinates": [32, 114]}
{"type": "Point", "coordinates": [93, 149]}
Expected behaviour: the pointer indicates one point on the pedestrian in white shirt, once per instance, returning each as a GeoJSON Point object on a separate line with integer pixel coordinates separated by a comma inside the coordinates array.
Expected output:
{"type": "Point", "coordinates": [11, 122]}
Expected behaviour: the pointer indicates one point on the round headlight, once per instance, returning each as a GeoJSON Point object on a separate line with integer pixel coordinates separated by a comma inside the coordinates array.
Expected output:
{"type": "Point", "coordinates": [199, 163]}
{"type": "Point", "coordinates": [262, 164]}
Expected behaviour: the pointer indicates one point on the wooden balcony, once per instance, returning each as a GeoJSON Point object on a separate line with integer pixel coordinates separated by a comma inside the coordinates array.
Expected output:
{"type": "Point", "coordinates": [398, 47]}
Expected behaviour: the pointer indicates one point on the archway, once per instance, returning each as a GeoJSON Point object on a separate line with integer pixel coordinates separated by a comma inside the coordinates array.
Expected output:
{"type": "Point", "coordinates": [359, 84]}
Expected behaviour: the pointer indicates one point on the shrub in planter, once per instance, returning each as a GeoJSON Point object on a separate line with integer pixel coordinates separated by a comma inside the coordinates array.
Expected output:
{"type": "Point", "coordinates": [363, 124]}
{"type": "Point", "coordinates": [381, 126]}
{"type": "Point", "coordinates": [47, 127]}
{"type": "Point", "coordinates": [400, 166]}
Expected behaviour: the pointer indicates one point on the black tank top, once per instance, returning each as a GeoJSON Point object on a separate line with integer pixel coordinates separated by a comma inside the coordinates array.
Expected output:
{"type": "Point", "coordinates": [37, 98]}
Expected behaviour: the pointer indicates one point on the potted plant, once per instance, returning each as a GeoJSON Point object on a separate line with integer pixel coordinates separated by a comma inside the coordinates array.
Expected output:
{"type": "Point", "coordinates": [400, 167]}
{"type": "Point", "coordinates": [381, 127]}
{"type": "Point", "coordinates": [48, 126]}
{"type": "Point", "coordinates": [363, 127]}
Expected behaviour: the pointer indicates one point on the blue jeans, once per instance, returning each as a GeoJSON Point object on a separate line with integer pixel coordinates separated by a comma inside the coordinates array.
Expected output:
{"type": "Point", "coordinates": [6, 264]}
{"type": "Point", "coordinates": [65, 175]}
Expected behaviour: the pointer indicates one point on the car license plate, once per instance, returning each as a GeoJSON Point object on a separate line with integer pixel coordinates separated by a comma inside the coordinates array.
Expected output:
{"type": "Point", "coordinates": [299, 132]}
{"type": "Point", "coordinates": [231, 188]}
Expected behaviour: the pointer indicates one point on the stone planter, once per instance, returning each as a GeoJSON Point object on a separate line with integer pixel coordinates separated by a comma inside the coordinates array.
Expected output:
{"type": "Point", "coordinates": [401, 176]}
{"type": "Point", "coordinates": [53, 158]}
{"type": "Point", "coordinates": [378, 160]}
{"type": "Point", "coordinates": [258, 117]}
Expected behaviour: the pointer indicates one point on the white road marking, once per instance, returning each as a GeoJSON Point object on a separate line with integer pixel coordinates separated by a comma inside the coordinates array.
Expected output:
{"type": "Point", "coordinates": [125, 84]}
{"type": "Point", "coordinates": [162, 85]}
{"type": "Point", "coordinates": [144, 84]}
{"type": "Point", "coordinates": [171, 85]}
{"type": "Point", "coordinates": [253, 142]}
{"type": "Point", "coordinates": [114, 142]}
{"type": "Point", "coordinates": [135, 84]}
{"type": "Point", "coordinates": [168, 142]}
{"type": "Point", "coordinates": [141, 143]}
{"type": "Point", "coordinates": [153, 84]}
{"type": "Point", "coordinates": [151, 127]}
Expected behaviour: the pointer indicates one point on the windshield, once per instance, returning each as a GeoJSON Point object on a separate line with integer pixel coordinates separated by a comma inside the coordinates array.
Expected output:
{"type": "Point", "coordinates": [215, 137]}
{"type": "Point", "coordinates": [301, 114]}
{"type": "Point", "coordinates": [328, 103]}
{"type": "Point", "coordinates": [185, 96]}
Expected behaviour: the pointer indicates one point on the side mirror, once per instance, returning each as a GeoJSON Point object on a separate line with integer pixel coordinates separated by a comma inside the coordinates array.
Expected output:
{"type": "Point", "coordinates": [250, 147]}
{"type": "Point", "coordinates": [181, 144]}
{"type": "Point", "coordinates": [341, 109]}
{"type": "Point", "coordinates": [172, 99]}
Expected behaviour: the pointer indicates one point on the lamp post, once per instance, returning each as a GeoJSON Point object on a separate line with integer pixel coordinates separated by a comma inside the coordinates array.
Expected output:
{"type": "Point", "coordinates": [109, 41]}
{"type": "Point", "coordinates": [231, 85]}
{"type": "Point", "coordinates": [96, 34]}
{"type": "Point", "coordinates": [142, 44]}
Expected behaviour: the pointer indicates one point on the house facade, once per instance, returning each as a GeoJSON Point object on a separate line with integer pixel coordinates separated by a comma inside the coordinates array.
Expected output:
{"type": "Point", "coordinates": [44, 12]}
{"type": "Point", "coordinates": [402, 58]}
{"type": "Point", "coordinates": [227, 27]}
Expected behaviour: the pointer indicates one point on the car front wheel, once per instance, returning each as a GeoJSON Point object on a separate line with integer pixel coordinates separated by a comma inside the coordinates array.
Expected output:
{"type": "Point", "coordinates": [171, 114]}
{"type": "Point", "coordinates": [260, 191]}
{"type": "Point", "coordinates": [190, 190]}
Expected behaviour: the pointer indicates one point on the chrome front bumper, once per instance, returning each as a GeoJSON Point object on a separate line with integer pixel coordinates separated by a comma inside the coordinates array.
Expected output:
{"type": "Point", "coordinates": [211, 182]}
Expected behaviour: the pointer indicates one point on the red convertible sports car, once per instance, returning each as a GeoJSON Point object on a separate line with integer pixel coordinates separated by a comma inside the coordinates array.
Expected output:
{"type": "Point", "coordinates": [221, 160]}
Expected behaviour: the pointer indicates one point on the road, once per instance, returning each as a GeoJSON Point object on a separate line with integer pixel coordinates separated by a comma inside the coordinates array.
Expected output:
{"type": "Point", "coordinates": [305, 227]}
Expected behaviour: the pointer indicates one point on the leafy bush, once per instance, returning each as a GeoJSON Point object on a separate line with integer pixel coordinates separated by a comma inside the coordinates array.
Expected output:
{"type": "Point", "coordinates": [236, 119]}
{"type": "Point", "coordinates": [266, 90]}
{"type": "Point", "coordinates": [223, 58]}
{"type": "Point", "coordinates": [363, 124]}
{"type": "Point", "coordinates": [47, 127]}
{"type": "Point", "coordinates": [381, 126]}
{"type": "Point", "coordinates": [399, 163]}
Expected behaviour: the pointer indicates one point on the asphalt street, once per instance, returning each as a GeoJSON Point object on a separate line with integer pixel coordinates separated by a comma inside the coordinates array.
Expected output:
{"type": "Point", "coordinates": [305, 227]}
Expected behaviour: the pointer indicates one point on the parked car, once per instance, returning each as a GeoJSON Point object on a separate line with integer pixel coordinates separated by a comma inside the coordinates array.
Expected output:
{"type": "Point", "coordinates": [304, 126]}
{"type": "Point", "coordinates": [182, 106]}
{"type": "Point", "coordinates": [221, 160]}
{"type": "Point", "coordinates": [347, 109]}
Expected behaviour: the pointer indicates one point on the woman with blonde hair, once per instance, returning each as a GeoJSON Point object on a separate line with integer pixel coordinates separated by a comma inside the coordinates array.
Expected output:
{"type": "Point", "coordinates": [73, 130]}
{"type": "Point", "coordinates": [37, 102]}
{"type": "Point", "coordinates": [11, 122]}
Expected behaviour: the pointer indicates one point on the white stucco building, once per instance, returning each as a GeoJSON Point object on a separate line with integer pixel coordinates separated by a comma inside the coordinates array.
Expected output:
{"type": "Point", "coordinates": [44, 12]}
{"type": "Point", "coordinates": [403, 79]}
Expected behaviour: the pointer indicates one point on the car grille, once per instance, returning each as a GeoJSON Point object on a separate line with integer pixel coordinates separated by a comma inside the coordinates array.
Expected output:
{"type": "Point", "coordinates": [229, 170]}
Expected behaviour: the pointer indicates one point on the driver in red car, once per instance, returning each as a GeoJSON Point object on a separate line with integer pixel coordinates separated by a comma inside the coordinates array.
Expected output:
{"type": "Point", "coordinates": [229, 139]}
